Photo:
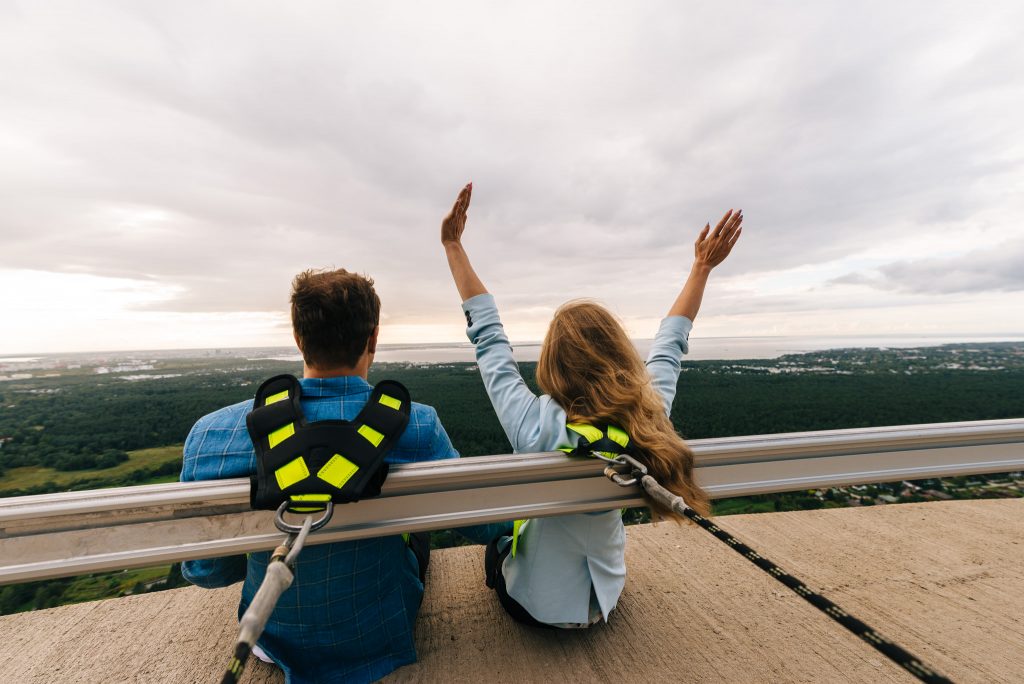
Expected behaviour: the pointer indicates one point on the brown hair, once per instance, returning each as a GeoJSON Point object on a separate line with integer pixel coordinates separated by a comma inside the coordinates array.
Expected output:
{"type": "Point", "coordinates": [591, 369]}
{"type": "Point", "coordinates": [333, 315]}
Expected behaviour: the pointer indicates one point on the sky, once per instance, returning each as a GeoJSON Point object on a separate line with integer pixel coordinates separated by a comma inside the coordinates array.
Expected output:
{"type": "Point", "coordinates": [167, 168]}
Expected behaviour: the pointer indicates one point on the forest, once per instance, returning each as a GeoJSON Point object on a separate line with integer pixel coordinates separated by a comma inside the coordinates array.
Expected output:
{"type": "Point", "coordinates": [87, 423]}
{"type": "Point", "coordinates": [75, 428]}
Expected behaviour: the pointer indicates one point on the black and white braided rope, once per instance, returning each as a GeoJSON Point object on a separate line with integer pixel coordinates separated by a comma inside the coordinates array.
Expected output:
{"type": "Point", "coordinates": [894, 652]}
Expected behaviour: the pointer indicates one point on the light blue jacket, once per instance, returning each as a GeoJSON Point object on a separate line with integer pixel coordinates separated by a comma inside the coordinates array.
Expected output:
{"type": "Point", "coordinates": [560, 559]}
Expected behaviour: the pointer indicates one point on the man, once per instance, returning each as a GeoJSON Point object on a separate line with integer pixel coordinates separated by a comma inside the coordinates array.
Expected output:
{"type": "Point", "coordinates": [349, 614]}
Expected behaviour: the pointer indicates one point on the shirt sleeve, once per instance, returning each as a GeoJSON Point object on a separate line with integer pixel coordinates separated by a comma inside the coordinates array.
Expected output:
{"type": "Point", "coordinates": [212, 572]}
{"type": "Point", "coordinates": [441, 446]}
{"type": "Point", "coordinates": [665, 359]}
{"type": "Point", "coordinates": [517, 407]}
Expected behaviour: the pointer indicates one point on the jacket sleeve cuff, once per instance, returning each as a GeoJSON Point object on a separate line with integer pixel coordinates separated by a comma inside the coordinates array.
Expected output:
{"type": "Point", "coordinates": [676, 328]}
{"type": "Point", "coordinates": [481, 312]}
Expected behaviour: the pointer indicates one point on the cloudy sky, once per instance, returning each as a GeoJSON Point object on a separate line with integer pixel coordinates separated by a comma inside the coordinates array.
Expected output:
{"type": "Point", "coordinates": [167, 167]}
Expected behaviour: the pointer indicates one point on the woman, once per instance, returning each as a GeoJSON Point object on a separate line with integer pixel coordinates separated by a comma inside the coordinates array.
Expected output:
{"type": "Point", "coordinates": [568, 571]}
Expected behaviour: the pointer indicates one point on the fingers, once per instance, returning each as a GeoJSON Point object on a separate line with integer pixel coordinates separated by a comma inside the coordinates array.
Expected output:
{"type": "Point", "coordinates": [732, 226]}
{"type": "Point", "coordinates": [703, 233]}
{"type": "Point", "coordinates": [735, 237]}
{"type": "Point", "coordinates": [462, 201]}
{"type": "Point", "coordinates": [455, 222]}
{"type": "Point", "coordinates": [457, 207]}
{"type": "Point", "coordinates": [722, 223]}
{"type": "Point", "coordinates": [728, 226]}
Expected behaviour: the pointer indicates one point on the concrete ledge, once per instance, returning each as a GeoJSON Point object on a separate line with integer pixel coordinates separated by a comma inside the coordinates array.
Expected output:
{"type": "Point", "coordinates": [945, 580]}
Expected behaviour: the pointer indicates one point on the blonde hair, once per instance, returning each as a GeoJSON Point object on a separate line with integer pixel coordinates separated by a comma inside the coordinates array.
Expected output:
{"type": "Point", "coordinates": [591, 369]}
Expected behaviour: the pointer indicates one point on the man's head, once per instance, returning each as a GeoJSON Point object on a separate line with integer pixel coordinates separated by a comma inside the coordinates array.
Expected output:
{"type": "Point", "coordinates": [334, 316]}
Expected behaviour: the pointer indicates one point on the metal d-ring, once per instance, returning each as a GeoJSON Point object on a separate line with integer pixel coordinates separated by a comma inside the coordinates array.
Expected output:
{"type": "Point", "coordinates": [288, 528]}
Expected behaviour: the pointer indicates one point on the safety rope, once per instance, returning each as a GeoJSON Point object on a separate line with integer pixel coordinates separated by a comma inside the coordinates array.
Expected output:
{"type": "Point", "coordinates": [898, 654]}
{"type": "Point", "coordinates": [277, 579]}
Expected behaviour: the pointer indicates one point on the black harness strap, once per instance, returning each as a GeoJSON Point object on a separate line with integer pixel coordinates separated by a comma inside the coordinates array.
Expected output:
{"type": "Point", "coordinates": [308, 464]}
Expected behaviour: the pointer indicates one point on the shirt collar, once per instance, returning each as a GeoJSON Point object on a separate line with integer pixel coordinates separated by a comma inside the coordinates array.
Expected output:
{"type": "Point", "coordinates": [339, 386]}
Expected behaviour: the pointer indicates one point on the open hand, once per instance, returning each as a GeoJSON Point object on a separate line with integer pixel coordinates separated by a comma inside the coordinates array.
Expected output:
{"type": "Point", "coordinates": [455, 222]}
{"type": "Point", "coordinates": [711, 250]}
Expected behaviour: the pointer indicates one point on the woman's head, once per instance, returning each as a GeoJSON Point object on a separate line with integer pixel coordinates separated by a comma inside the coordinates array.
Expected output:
{"type": "Point", "coordinates": [591, 369]}
{"type": "Point", "coordinates": [585, 358]}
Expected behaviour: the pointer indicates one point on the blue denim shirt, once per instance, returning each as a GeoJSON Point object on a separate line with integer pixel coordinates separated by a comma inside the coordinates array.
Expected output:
{"type": "Point", "coordinates": [349, 614]}
{"type": "Point", "coordinates": [564, 560]}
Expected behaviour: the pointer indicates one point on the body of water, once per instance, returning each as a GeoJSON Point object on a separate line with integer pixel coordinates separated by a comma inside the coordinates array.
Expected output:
{"type": "Point", "coordinates": [701, 348]}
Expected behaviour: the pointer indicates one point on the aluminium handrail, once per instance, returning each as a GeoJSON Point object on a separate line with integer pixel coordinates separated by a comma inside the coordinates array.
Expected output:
{"type": "Point", "coordinates": [53, 535]}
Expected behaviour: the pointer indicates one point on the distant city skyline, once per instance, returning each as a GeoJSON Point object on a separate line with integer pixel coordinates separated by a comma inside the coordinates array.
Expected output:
{"type": "Point", "coordinates": [166, 168]}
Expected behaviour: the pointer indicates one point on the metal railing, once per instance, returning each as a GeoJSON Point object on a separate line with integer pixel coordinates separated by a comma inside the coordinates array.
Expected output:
{"type": "Point", "coordinates": [55, 535]}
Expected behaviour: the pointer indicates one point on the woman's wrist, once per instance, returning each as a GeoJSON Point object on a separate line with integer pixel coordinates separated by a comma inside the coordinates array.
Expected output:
{"type": "Point", "coordinates": [700, 268]}
{"type": "Point", "coordinates": [452, 246]}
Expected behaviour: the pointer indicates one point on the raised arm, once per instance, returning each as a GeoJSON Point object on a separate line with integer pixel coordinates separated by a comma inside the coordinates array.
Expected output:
{"type": "Point", "coordinates": [466, 279]}
{"type": "Point", "coordinates": [516, 406]}
{"type": "Point", "coordinates": [671, 342]}
{"type": "Point", "coordinates": [709, 251]}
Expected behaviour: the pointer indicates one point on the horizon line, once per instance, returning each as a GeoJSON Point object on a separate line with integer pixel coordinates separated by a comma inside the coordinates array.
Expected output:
{"type": "Point", "coordinates": [1004, 337]}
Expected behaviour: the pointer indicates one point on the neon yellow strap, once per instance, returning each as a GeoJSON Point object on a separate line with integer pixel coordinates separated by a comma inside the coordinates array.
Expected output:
{"type": "Point", "coordinates": [371, 435]}
{"type": "Point", "coordinates": [618, 435]}
{"type": "Point", "coordinates": [274, 398]}
{"type": "Point", "coordinates": [390, 402]}
{"type": "Point", "coordinates": [591, 433]}
{"type": "Point", "coordinates": [307, 498]}
{"type": "Point", "coordinates": [291, 472]}
{"type": "Point", "coordinates": [337, 471]}
{"type": "Point", "coordinates": [281, 434]}
{"type": "Point", "coordinates": [516, 527]}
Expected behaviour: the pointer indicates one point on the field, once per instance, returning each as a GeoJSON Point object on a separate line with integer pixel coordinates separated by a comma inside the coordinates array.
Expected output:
{"type": "Point", "coordinates": [139, 461]}
{"type": "Point", "coordinates": [89, 422]}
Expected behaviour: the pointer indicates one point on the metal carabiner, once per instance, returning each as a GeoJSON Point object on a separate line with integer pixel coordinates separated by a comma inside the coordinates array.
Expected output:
{"type": "Point", "coordinates": [636, 469]}
{"type": "Point", "coordinates": [618, 478]}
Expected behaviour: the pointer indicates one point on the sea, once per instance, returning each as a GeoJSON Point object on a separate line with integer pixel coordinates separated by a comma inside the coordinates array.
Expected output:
{"type": "Point", "coordinates": [701, 348]}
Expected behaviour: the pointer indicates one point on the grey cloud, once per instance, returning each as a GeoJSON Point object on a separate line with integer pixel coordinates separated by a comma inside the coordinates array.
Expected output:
{"type": "Point", "coordinates": [1000, 269]}
{"type": "Point", "coordinates": [997, 269]}
{"type": "Point", "coordinates": [599, 141]}
{"type": "Point", "coordinates": [853, 279]}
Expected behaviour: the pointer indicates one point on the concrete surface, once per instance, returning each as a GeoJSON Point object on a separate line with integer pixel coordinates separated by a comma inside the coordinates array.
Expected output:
{"type": "Point", "coordinates": [945, 580]}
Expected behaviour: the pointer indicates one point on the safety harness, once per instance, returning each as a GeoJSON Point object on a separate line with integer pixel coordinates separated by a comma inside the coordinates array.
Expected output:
{"type": "Point", "coordinates": [304, 467]}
